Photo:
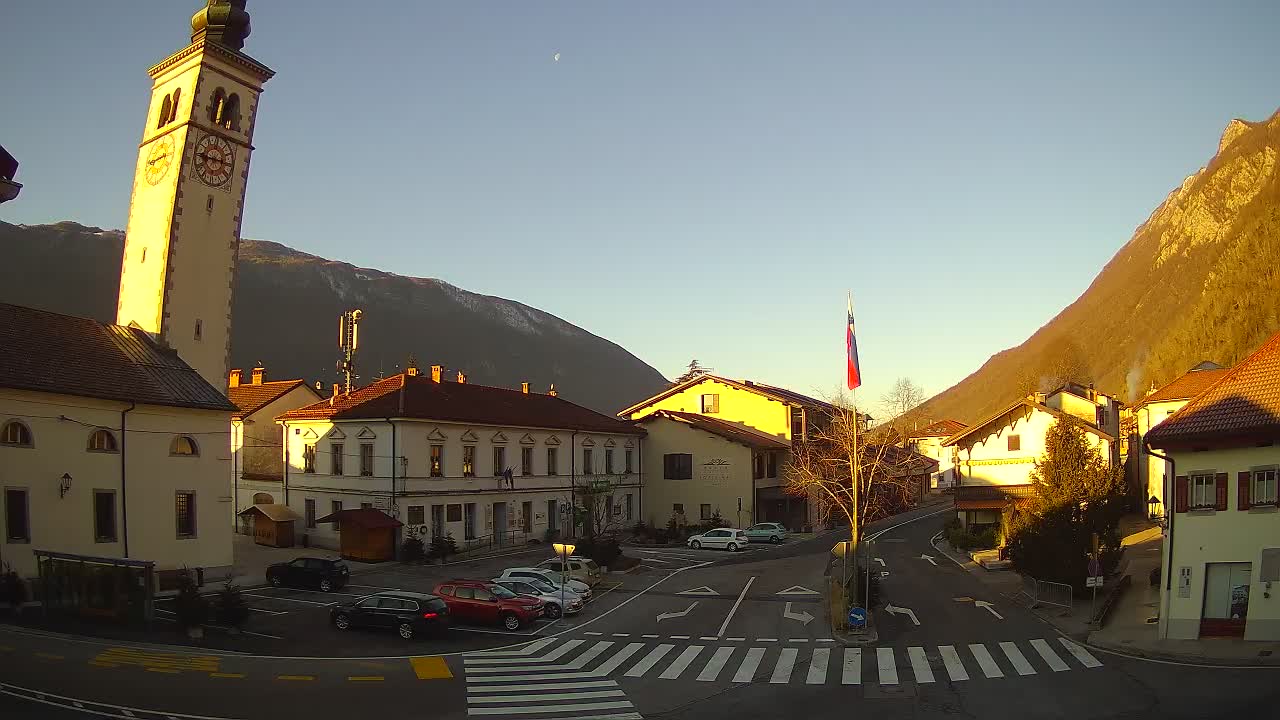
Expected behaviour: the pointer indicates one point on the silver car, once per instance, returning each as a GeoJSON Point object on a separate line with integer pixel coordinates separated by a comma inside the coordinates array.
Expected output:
{"type": "Point", "coordinates": [549, 595]}
{"type": "Point", "coordinates": [550, 577]}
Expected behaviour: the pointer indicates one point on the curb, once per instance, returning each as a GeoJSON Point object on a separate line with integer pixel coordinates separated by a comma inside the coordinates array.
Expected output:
{"type": "Point", "coordinates": [1178, 659]}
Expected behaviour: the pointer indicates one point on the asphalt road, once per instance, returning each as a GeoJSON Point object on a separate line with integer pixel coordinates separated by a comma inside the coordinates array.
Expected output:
{"type": "Point", "coordinates": [691, 634]}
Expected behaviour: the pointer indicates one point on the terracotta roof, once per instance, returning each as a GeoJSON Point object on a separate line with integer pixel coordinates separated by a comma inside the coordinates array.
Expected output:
{"type": "Point", "coordinates": [251, 398]}
{"type": "Point", "coordinates": [941, 428]}
{"type": "Point", "coordinates": [273, 511]}
{"type": "Point", "coordinates": [1186, 387]}
{"type": "Point", "coordinates": [769, 391]}
{"type": "Point", "coordinates": [48, 352]}
{"type": "Point", "coordinates": [900, 459]}
{"type": "Point", "coordinates": [1244, 401]}
{"type": "Point", "coordinates": [368, 518]}
{"type": "Point", "coordinates": [726, 430]}
{"type": "Point", "coordinates": [419, 397]}
{"type": "Point", "coordinates": [1028, 403]}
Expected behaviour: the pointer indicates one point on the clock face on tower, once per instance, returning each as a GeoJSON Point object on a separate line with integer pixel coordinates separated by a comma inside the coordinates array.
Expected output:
{"type": "Point", "coordinates": [159, 159]}
{"type": "Point", "coordinates": [213, 160]}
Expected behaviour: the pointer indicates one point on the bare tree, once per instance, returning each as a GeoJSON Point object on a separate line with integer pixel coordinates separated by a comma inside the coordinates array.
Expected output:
{"type": "Point", "coordinates": [597, 507]}
{"type": "Point", "coordinates": [902, 397]}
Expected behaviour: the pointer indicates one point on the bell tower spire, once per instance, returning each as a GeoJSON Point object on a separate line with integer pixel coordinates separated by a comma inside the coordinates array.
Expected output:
{"type": "Point", "coordinates": [177, 276]}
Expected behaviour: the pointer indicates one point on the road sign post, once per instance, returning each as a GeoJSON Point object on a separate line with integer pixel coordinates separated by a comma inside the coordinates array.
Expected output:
{"type": "Point", "coordinates": [1094, 580]}
{"type": "Point", "coordinates": [564, 550]}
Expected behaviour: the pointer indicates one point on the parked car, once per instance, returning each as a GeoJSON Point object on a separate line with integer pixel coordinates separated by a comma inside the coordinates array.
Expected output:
{"type": "Point", "coordinates": [584, 570]}
{"type": "Point", "coordinates": [546, 592]}
{"type": "Point", "coordinates": [408, 613]}
{"type": "Point", "coordinates": [481, 601]}
{"type": "Point", "coordinates": [549, 576]}
{"type": "Point", "coordinates": [307, 572]}
{"type": "Point", "coordinates": [767, 532]}
{"type": "Point", "coordinates": [727, 538]}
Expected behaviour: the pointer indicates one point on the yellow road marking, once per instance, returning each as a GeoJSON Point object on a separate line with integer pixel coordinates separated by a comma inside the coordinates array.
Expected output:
{"type": "Point", "coordinates": [49, 656]}
{"type": "Point", "coordinates": [365, 678]}
{"type": "Point", "coordinates": [295, 677]}
{"type": "Point", "coordinates": [150, 659]}
{"type": "Point", "coordinates": [225, 675]}
{"type": "Point", "coordinates": [95, 663]}
{"type": "Point", "coordinates": [169, 671]}
{"type": "Point", "coordinates": [5, 648]}
{"type": "Point", "coordinates": [430, 668]}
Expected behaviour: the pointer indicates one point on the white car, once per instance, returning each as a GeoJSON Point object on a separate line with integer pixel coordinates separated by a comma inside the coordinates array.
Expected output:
{"type": "Point", "coordinates": [550, 577]}
{"type": "Point", "coordinates": [546, 592]}
{"type": "Point", "coordinates": [730, 539]}
{"type": "Point", "coordinates": [582, 569]}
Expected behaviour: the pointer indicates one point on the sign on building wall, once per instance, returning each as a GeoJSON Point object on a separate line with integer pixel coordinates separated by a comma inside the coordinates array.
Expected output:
{"type": "Point", "coordinates": [715, 472]}
{"type": "Point", "coordinates": [1184, 582]}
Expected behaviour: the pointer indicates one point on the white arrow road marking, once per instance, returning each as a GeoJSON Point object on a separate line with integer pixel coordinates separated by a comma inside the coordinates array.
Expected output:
{"type": "Point", "coordinates": [930, 559]}
{"type": "Point", "coordinates": [704, 590]}
{"type": "Point", "coordinates": [803, 616]}
{"type": "Point", "coordinates": [895, 610]}
{"type": "Point", "coordinates": [987, 605]}
{"type": "Point", "coordinates": [881, 561]}
{"type": "Point", "coordinates": [798, 590]}
{"type": "Point", "coordinates": [682, 613]}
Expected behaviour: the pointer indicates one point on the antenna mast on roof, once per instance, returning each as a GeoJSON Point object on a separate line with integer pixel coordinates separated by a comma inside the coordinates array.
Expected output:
{"type": "Point", "coordinates": [348, 342]}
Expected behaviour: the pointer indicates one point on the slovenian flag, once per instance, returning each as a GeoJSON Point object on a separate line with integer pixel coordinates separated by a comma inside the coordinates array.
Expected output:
{"type": "Point", "coordinates": [855, 373]}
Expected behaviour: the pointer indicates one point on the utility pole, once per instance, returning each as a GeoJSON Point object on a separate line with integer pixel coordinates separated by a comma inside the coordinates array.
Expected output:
{"type": "Point", "coordinates": [348, 342]}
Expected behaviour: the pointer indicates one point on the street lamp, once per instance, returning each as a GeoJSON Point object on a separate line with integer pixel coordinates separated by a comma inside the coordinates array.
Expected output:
{"type": "Point", "coordinates": [1153, 514]}
{"type": "Point", "coordinates": [564, 550]}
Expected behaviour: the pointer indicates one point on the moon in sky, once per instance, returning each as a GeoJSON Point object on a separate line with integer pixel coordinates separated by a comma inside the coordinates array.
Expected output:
{"type": "Point", "coordinates": [556, 57]}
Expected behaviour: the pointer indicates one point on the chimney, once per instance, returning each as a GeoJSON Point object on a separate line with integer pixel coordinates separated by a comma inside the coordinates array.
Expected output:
{"type": "Point", "coordinates": [462, 378]}
{"type": "Point", "coordinates": [256, 374]}
{"type": "Point", "coordinates": [552, 392]}
{"type": "Point", "coordinates": [234, 379]}
{"type": "Point", "coordinates": [436, 372]}
{"type": "Point", "coordinates": [524, 388]}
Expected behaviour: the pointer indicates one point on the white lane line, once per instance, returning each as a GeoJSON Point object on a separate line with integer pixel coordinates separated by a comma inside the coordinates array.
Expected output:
{"type": "Point", "coordinates": [622, 635]}
{"type": "Point", "coordinates": [725, 625]}
{"type": "Point", "coordinates": [1050, 658]}
{"type": "Point", "coordinates": [1016, 658]}
{"type": "Point", "coordinates": [887, 666]}
{"type": "Point", "coordinates": [592, 653]}
{"type": "Point", "coordinates": [818, 666]}
{"type": "Point", "coordinates": [529, 649]}
{"type": "Point", "coordinates": [374, 587]}
{"type": "Point", "coordinates": [593, 634]}
{"type": "Point", "coordinates": [618, 658]}
{"type": "Point", "coordinates": [985, 661]}
{"type": "Point", "coordinates": [531, 709]}
{"type": "Point", "coordinates": [708, 637]}
{"type": "Point", "coordinates": [741, 639]}
{"type": "Point", "coordinates": [269, 612]}
{"type": "Point", "coordinates": [716, 664]}
{"type": "Point", "coordinates": [830, 640]}
{"type": "Point", "coordinates": [652, 559]}
{"type": "Point", "coordinates": [920, 665]}
{"type": "Point", "coordinates": [679, 637]}
{"type": "Point", "coordinates": [530, 678]}
{"type": "Point", "coordinates": [786, 663]}
{"type": "Point", "coordinates": [548, 658]}
{"type": "Point", "coordinates": [649, 636]}
{"type": "Point", "coordinates": [1079, 653]}
{"type": "Point", "coordinates": [474, 688]}
{"type": "Point", "coordinates": [747, 670]}
{"type": "Point", "coordinates": [588, 695]}
{"type": "Point", "coordinates": [645, 665]}
{"type": "Point", "coordinates": [766, 639]}
{"type": "Point", "coordinates": [951, 659]}
{"type": "Point", "coordinates": [681, 662]}
{"type": "Point", "coordinates": [852, 672]}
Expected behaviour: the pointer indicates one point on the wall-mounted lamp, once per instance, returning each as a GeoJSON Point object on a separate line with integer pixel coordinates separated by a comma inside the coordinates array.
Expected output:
{"type": "Point", "coordinates": [64, 486]}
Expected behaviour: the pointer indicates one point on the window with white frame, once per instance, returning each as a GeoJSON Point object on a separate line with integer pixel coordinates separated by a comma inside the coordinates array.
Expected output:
{"type": "Point", "coordinates": [1262, 488]}
{"type": "Point", "coordinates": [711, 403]}
{"type": "Point", "coordinates": [1204, 493]}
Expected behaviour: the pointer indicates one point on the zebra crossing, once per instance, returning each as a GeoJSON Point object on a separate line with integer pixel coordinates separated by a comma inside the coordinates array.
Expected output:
{"type": "Point", "coordinates": [555, 677]}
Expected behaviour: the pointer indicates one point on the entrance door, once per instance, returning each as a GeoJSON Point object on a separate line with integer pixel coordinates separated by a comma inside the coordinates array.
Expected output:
{"type": "Point", "coordinates": [437, 521]}
{"type": "Point", "coordinates": [499, 523]}
{"type": "Point", "coordinates": [1226, 599]}
{"type": "Point", "coordinates": [526, 516]}
{"type": "Point", "coordinates": [553, 516]}
{"type": "Point", "coordinates": [469, 521]}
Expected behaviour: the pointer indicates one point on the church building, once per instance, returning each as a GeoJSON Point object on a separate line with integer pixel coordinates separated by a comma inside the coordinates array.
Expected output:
{"type": "Point", "coordinates": [114, 438]}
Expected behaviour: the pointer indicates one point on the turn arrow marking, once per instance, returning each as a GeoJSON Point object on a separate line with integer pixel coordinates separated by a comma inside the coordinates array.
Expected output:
{"type": "Point", "coordinates": [987, 605]}
{"type": "Point", "coordinates": [881, 561]}
{"type": "Point", "coordinates": [804, 617]}
{"type": "Point", "coordinates": [895, 610]}
{"type": "Point", "coordinates": [682, 613]}
{"type": "Point", "coordinates": [930, 559]}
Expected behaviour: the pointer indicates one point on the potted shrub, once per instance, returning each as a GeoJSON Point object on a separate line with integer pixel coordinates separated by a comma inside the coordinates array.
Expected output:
{"type": "Point", "coordinates": [413, 551]}
{"type": "Point", "coordinates": [191, 607]}
{"type": "Point", "coordinates": [233, 612]}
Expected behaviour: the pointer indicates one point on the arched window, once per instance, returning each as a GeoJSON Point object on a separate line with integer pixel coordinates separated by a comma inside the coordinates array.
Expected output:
{"type": "Point", "coordinates": [173, 112]}
{"type": "Point", "coordinates": [217, 105]}
{"type": "Point", "coordinates": [184, 445]}
{"type": "Point", "coordinates": [15, 433]}
{"type": "Point", "coordinates": [230, 119]}
{"type": "Point", "coordinates": [263, 499]}
{"type": "Point", "coordinates": [101, 440]}
{"type": "Point", "coordinates": [166, 108]}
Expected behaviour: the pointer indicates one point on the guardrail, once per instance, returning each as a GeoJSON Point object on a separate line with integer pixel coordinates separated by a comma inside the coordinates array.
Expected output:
{"type": "Point", "coordinates": [1043, 592]}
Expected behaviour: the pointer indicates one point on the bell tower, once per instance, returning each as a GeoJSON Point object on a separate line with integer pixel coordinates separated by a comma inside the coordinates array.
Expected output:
{"type": "Point", "coordinates": [177, 276]}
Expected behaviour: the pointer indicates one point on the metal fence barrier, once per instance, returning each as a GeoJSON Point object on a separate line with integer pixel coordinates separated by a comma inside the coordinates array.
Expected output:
{"type": "Point", "coordinates": [1043, 592]}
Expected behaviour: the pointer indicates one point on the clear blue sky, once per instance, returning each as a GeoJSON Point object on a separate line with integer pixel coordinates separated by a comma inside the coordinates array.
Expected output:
{"type": "Point", "coordinates": [691, 179]}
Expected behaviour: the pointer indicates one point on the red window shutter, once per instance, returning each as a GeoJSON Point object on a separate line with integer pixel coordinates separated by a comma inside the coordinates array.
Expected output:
{"type": "Point", "coordinates": [1242, 489]}
{"type": "Point", "coordinates": [1180, 494]}
{"type": "Point", "coordinates": [1220, 485]}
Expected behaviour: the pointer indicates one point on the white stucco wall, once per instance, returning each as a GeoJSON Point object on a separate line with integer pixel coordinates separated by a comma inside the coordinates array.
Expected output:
{"type": "Point", "coordinates": [991, 462]}
{"type": "Point", "coordinates": [721, 474]}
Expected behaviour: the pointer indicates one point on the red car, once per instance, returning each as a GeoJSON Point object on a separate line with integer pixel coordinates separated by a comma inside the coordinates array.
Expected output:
{"type": "Point", "coordinates": [478, 601]}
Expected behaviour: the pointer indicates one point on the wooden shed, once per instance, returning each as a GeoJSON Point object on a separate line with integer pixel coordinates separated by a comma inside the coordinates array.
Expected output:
{"type": "Point", "coordinates": [365, 534]}
{"type": "Point", "coordinates": [272, 524]}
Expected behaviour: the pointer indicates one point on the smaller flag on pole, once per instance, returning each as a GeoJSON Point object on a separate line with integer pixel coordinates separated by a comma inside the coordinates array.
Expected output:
{"type": "Point", "coordinates": [855, 372]}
